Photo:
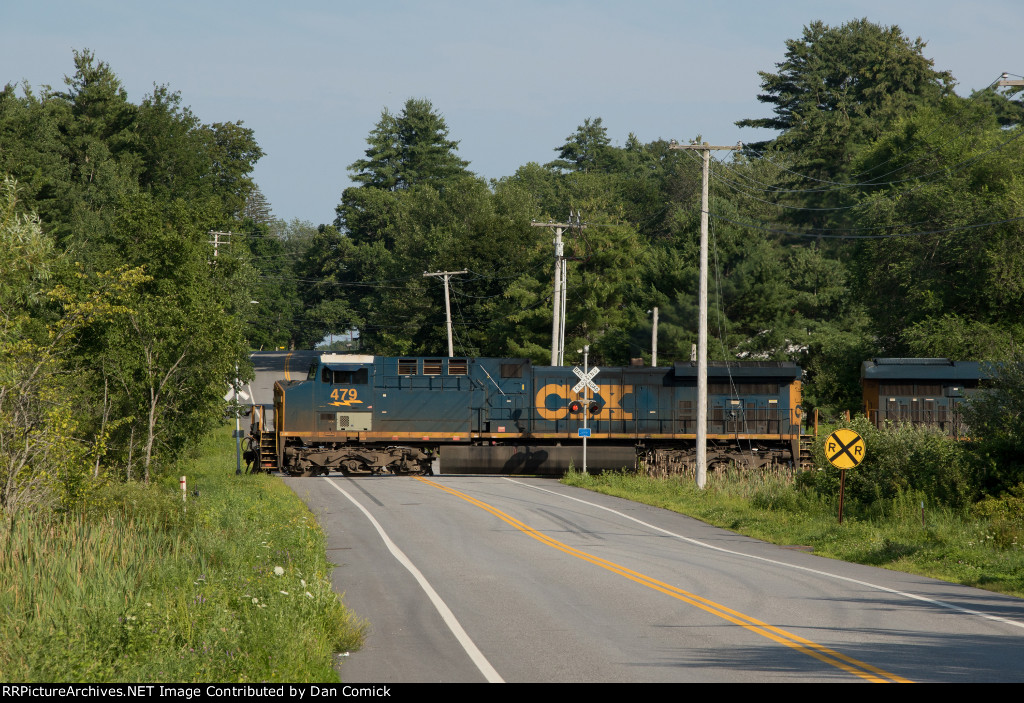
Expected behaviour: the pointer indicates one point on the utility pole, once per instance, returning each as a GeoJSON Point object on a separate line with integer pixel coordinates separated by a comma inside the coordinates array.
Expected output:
{"type": "Point", "coordinates": [561, 285]}
{"type": "Point", "coordinates": [702, 332]}
{"type": "Point", "coordinates": [447, 304]}
{"type": "Point", "coordinates": [654, 339]}
{"type": "Point", "coordinates": [217, 240]}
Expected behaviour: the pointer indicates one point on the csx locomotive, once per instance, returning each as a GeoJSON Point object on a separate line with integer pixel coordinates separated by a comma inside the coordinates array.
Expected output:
{"type": "Point", "coordinates": [370, 414]}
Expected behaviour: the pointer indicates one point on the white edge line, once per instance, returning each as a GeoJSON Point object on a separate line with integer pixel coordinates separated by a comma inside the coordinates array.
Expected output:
{"type": "Point", "coordinates": [449, 618]}
{"type": "Point", "coordinates": [698, 543]}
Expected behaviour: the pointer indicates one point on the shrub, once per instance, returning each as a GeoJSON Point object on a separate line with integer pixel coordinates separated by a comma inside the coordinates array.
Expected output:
{"type": "Point", "coordinates": [899, 459]}
{"type": "Point", "coordinates": [1005, 516]}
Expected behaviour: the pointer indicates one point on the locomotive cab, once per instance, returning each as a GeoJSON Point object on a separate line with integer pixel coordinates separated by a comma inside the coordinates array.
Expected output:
{"type": "Point", "coordinates": [343, 397]}
{"type": "Point", "coordinates": [324, 422]}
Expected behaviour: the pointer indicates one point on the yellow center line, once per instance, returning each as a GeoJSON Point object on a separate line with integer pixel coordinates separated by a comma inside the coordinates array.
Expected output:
{"type": "Point", "coordinates": [776, 634]}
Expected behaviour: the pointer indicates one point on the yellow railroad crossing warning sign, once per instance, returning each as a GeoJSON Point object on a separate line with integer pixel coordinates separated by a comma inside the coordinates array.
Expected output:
{"type": "Point", "coordinates": [844, 449]}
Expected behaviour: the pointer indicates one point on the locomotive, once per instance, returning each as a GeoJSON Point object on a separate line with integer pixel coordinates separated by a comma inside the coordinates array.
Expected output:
{"type": "Point", "coordinates": [408, 415]}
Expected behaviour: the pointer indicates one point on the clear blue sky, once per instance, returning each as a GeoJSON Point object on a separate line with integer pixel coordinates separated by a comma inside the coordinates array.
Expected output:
{"type": "Point", "coordinates": [512, 79]}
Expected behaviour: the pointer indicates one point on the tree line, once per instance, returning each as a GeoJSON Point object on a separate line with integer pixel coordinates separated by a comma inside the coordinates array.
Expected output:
{"type": "Point", "coordinates": [883, 219]}
{"type": "Point", "coordinates": [120, 325]}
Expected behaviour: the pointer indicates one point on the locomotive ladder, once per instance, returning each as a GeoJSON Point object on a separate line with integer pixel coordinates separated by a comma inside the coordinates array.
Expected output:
{"type": "Point", "coordinates": [268, 451]}
{"type": "Point", "coordinates": [806, 459]}
{"type": "Point", "coordinates": [267, 440]}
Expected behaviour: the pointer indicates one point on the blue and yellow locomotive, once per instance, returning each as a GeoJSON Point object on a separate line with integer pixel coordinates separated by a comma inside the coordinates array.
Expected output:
{"type": "Point", "coordinates": [369, 414]}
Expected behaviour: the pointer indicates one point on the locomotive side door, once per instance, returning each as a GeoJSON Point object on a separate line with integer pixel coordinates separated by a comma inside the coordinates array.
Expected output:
{"type": "Point", "coordinates": [504, 412]}
{"type": "Point", "coordinates": [645, 408]}
{"type": "Point", "coordinates": [499, 396]}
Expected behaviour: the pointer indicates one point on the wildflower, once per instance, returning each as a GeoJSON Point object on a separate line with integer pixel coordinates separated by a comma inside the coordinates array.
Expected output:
{"type": "Point", "coordinates": [308, 594]}
{"type": "Point", "coordinates": [284, 592]}
{"type": "Point", "coordinates": [278, 571]}
{"type": "Point", "coordinates": [255, 601]}
{"type": "Point", "coordinates": [303, 582]}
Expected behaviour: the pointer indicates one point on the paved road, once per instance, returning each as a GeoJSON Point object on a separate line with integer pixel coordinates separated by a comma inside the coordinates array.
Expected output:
{"type": "Point", "coordinates": [468, 578]}
{"type": "Point", "coordinates": [276, 366]}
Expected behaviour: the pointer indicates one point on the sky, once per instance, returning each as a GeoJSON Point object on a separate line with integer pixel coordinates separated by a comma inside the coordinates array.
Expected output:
{"type": "Point", "coordinates": [512, 79]}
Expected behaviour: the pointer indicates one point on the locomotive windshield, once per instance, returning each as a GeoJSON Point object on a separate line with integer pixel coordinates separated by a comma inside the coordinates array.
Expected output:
{"type": "Point", "coordinates": [346, 375]}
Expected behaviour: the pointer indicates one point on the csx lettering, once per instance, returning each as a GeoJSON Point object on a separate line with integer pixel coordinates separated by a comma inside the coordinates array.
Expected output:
{"type": "Point", "coordinates": [611, 407]}
{"type": "Point", "coordinates": [345, 396]}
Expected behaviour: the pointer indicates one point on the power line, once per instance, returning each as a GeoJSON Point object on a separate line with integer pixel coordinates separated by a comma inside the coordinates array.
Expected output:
{"type": "Point", "coordinates": [876, 237]}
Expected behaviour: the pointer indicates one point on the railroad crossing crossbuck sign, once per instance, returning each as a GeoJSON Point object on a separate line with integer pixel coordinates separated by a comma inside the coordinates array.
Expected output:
{"type": "Point", "coordinates": [586, 379]}
{"type": "Point", "coordinates": [844, 449]}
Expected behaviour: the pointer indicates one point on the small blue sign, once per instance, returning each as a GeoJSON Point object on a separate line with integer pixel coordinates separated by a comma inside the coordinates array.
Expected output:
{"type": "Point", "coordinates": [584, 431]}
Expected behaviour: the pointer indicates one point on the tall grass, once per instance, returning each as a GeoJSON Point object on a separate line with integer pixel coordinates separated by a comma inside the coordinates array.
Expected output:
{"type": "Point", "coordinates": [138, 586]}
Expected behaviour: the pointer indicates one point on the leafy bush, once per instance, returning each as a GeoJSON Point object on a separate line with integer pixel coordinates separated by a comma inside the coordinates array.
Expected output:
{"type": "Point", "coordinates": [1005, 516]}
{"type": "Point", "coordinates": [899, 459]}
{"type": "Point", "coordinates": [995, 415]}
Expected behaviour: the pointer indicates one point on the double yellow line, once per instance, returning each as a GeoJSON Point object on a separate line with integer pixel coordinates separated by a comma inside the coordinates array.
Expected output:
{"type": "Point", "coordinates": [776, 634]}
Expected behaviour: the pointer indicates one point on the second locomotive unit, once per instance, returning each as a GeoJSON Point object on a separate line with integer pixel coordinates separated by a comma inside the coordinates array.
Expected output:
{"type": "Point", "coordinates": [370, 414]}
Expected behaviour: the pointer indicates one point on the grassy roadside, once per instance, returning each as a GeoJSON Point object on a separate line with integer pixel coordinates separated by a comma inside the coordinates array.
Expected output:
{"type": "Point", "coordinates": [956, 546]}
{"type": "Point", "coordinates": [232, 586]}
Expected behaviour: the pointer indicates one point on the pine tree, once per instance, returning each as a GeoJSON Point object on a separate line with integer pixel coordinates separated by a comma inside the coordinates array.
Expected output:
{"type": "Point", "coordinates": [584, 150]}
{"type": "Point", "coordinates": [257, 208]}
{"type": "Point", "coordinates": [409, 149]}
{"type": "Point", "coordinates": [840, 87]}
